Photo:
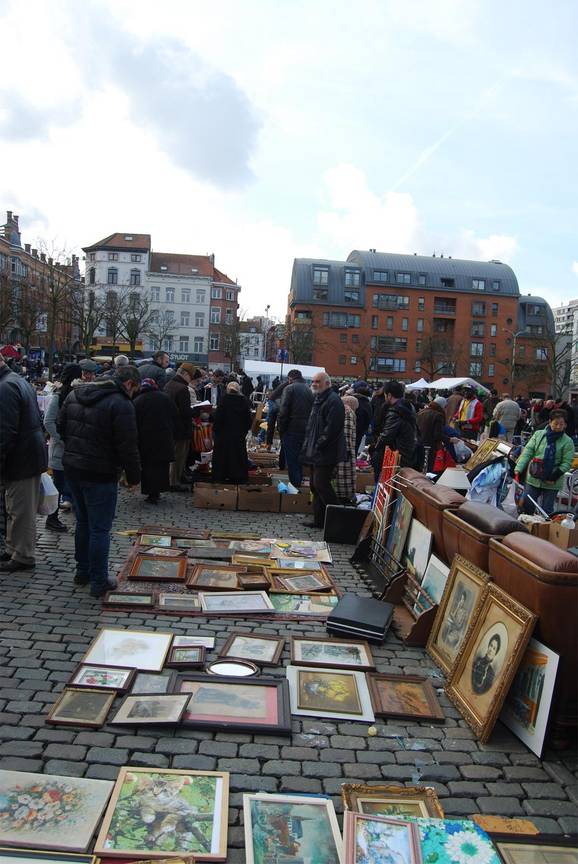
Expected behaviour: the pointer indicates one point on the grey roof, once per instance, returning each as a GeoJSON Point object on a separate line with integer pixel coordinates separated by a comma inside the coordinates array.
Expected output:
{"type": "Point", "coordinates": [525, 319]}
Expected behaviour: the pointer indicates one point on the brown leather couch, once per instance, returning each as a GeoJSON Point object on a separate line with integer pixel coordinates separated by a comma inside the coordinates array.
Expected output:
{"type": "Point", "coordinates": [467, 530]}
{"type": "Point", "coordinates": [544, 578]}
{"type": "Point", "coordinates": [429, 503]}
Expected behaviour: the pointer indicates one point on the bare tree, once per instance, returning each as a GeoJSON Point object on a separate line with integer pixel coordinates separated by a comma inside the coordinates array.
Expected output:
{"type": "Point", "coordinates": [365, 354]}
{"type": "Point", "coordinates": [161, 325]}
{"type": "Point", "coordinates": [229, 332]}
{"type": "Point", "coordinates": [551, 365]}
{"type": "Point", "coordinates": [6, 306]}
{"type": "Point", "coordinates": [28, 309]}
{"type": "Point", "coordinates": [135, 318]}
{"type": "Point", "coordinates": [88, 313]}
{"type": "Point", "coordinates": [301, 340]}
{"type": "Point", "coordinates": [439, 355]}
{"type": "Point", "coordinates": [114, 311]}
{"type": "Point", "coordinates": [58, 281]}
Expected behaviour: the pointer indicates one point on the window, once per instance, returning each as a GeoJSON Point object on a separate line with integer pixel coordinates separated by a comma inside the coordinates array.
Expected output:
{"type": "Point", "coordinates": [228, 316]}
{"type": "Point", "coordinates": [475, 369]}
{"type": "Point", "coordinates": [352, 278]}
{"type": "Point", "coordinates": [185, 295]}
{"type": "Point", "coordinates": [375, 322]}
{"type": "Point", "coordinates": [389, 344]}
{"type": "Point", "coordinates": [112, 276]}
{"type": "Point", "coordinates": [447, 282]}
{"type": "Point", "coordinates": [491, 370]}
{"type": "Point", "coordinates": [184, 344]}
{"type": "Point", "coordinates": [443, 306]}
{"type": "Point", "coordinates": [214, 342]}
{"type": "Point", "coordinates": [479, 284]}
{"type": "Point", "coordinates": [154, 319]}
{"type": "Point", "coordinates": [442, 325]}
{"type": "Point", "coordinates": [521, 350]}
{"type": "Point", "coordinates": [128, 237]}
{"type": "Point", "coordinates": [390, 301]}
{"type": "Point", "coordinates": [418, 344]}
{"type": "Point", "coordinates": [168, 344]}
{"type": "Point", "coordinates": [216, 293]}
{"type": "Point", "coordinates": [170, 295]}
{"type": "Point", "coordinates": [496, 285]}
{"type": "Point", "coordinates": [303, 315]}
{"type": "Point", "coordinates": [230, 294]}
{"type": "Point", "coordinates": [136, 258]}
{"type": "Point", "coordinates": [535, 330]}
{"type": "Point", "coordinates": [389, 322]}
{"type": "Point", "coordinates": [135, 277]}
{"type": "Point", "coordinates": [91, 276]}
{"type": "Point", "coordinates": [320, 293]}
{"type": "Point", "coordinates": [380, 275]}
{"type": "Point", "coordinates": [420, 325]}
{"type": "Point", "coordinates": [343, 337]}
{"type": "Point", "coordinates": [534, 309]}
{"type": "Point", "coordinates": [342, 359]}
{"type": "Point", "coordinates": [255, 352]}
{"type": "Point", "coordinates": [341, 319]}
{"type": "Point", "coordinates": [421, 279]}
{"type": "Point", "coordinates": [403, 278]}
{"type": "Point", "coordinates": [113, 256]}
{"type": "Point", "coordinates": [421, 304]}
{"type": "Point", "coordinates": [201, 296]}
{"type": "Point", "coordinates": [478, 328]}
{"type": "Point", "coordinates": [170, 317]}
{"type": "Point", "coordinates": [215, 315]}
{"type": "Point", "coordinates": [199, 319]}
{"type": "Point", "coordinates": [354, 338]}
{"type": "Point", "coordinates": [404, 323]}
{"type": "Point", "coordinates": [493, 349]}
{"type": "Point", "coordinates": [508, 321]}
{"type": "Point", "coordinates": [388, 364]}
{"type": "Point", "coordinates": [185, 318]}
{"type": "Point", "coordinates": [495, 309]}
{"type": "Point", "coordinates": [164, 268]}
{"type": "Point", "coordinates": [198, 344]}
{"type": "Point", "coordinates": [155, 294]}
{"type": "Point", "coordinates": [479, 309]}
{"type": "Point", "coordinates": [541, 353]}
{"type": "Point", "coordinates": [493, 330]}
{"type": "Point", "coordinates": [111, 298]}
{"type": "Point", "coordinates": [417, 366]}
{"type": "Point", "coordinates": [320, 275]}
{"type": "Point", "coordinates": [477, 349]}
{"type": "Point", "coordinates": [351, 296]}
{"type": "Point", "coordinates": [92, 257]}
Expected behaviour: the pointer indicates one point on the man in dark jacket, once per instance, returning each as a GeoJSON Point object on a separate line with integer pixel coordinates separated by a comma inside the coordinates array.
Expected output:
{"type": "Point", "coordinates": [23, 458]}
{"type": "Point", "coordinates": [98, 426]}
{"type": "Point", "coordinates": [156, 368]}
{"type": "Point", "coordinates": [399, 430]}
{"type": "Point", "coordinates": [216, 388]}
{"type": "Point", "coordinates": [294, 411]}
{"type": "Point", "coordinates": [324, 444]}
{"type": "Point", "coordinates": [178, 391]}
{"type": "Point", "coordinates": [364, 412]}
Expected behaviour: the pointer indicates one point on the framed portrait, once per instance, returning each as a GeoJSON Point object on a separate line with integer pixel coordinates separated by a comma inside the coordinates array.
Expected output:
{"type": "Point", "coordinates": [261, 704]}
{"type": "Point", "coordinates": [295, 828]}
{"type": "Point", "coordinates": [155, 540]}
{"type": "Point", "coordinates": [263, 650]}
{"type": "Point", "coordinates": [217, 578]}
{"type": "Point", "coordinates": [143, 802]}
{"type": "Point", "coordinates": [81, 707]}
{"type": "Point", "coordinates": [528, 702]}
{"type": "Point", "coordinates": [181, 641]}
{"type": "Point", "coordinates": [461, 597]}
{"type": "Point", "coordinates": [30, 856]}
{"type": "Point", "coordinates": [418, 549]}
{"type": "Point", "coordinates": [370, 838]}
{"type": "Point", "coordinates": [392, 800]}
{"type": "Point", "coordinates": [398, 530]}
{"type": "Point", "coordinates": [69, 827]}
{"type": "Point", "coordinates": [186, 657]}
{"type": "Point", "coordinates": [247, 602]}
{"type": "Point", "coordinates": [139, 649]}
{"type": "Point", "coordinates": [434, 582]}
{"type": "Point", "coordinates": [329, 693]}
{"type": "Point", "coordinates": [304, 584]}
{"type": "Point", "coordinates": [96, 677]}
{"type": "Point", "coordinates": [337, 653]}
{"type": "Point", "coordinates": [153, 682]}
{"type": "Point", "coordinates": [148, 568]}
{"type": "Point", "coordinates": [179, 602]}
{"type": "Point", "coordinates": [123, 598]}
{"type": "Point", "coordinates": [537, 849]}
{"type": "Point", "coordinates": [155, 709]}
{"type": "Point", "coordinates": [303, 604]}
{"type": "Point", "coordinates": [408, 697]}
{"type": "Point", "coordinates": [489, 658]}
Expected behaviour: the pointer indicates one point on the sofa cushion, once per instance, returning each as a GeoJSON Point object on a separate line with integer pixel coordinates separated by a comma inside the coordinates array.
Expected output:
{"type": "Point", "coordinates": [443, 496]}
{"type": "Point", "coordinates": [488, 519]}
{"type": "Point", "coordinates": [416, 478]}
{"type": "Point", "coordinates": [542, 553]}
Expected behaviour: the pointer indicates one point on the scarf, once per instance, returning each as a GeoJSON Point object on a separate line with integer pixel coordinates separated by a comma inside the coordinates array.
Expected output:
{"type": "Point", "coordinates": [550, 452]}
{"type": "Point", "coordinates": [148, 384]}
{"type": "Point", "coordinates": [467, 409]}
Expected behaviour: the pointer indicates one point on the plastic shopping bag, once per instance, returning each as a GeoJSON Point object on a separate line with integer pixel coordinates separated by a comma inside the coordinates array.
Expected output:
{"type": "Point", "coordinates": [48, 498]}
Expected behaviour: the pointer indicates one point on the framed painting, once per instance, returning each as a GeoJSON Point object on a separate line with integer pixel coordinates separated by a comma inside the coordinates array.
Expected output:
{"type": "Point", "coordinates": [396, 801]}
{"type": "Point", "coordinates": [192, 542]}
{"type": "Point", "coordinates": [332, 693]}
{"type": "Point", "coordinates": [398, 529]}
{"type": "Point", "coordinates": [179, 602]}
{"type": "Point", "coordinates": [369, 839]}
{"type": "Point", "coordinates": [151, 710]}
{"type": "Point", "coordinates": [537, 849]}
{"type": "Point", "coordinates": [155, 540]}
{"type": "Point", "coordinates": [317, 550]}
{"type": "Point", "coordinates": [407, 697]}
{"type": "Point", "coordinates": [242, 559]}
{"type": "Point", "coordinates": [144, 802]}
{"type": "Point", "coordinates": [82, 707]}
{"type": "Point", "coordinates": [186, 657]}
{"type": "Point", "coordinates": [243, 602]}
{"type": "Point", "coordinates": [298, 564]}
{"type": "Point", "coordinates": [528, 702]}
{"type": "Point", "coordinates": [217, 578]}
{"type": "Point", "coordinates": [181, 641]}
{"type": "Point", "coordinates": [148, 568]}
{"type": "Point", "coordinates": [162, 552]}
{"type": "Point", "coordinates": [339, 654]}
{"type": "Point", "coordinates": [304, 584]}
{"type": "Point", "coordinates": [255, 581]}
{"type": "Point", "coordinates": [67, 827]}
{"type": "Point", "coordinates": [231, 703]}
{"type": "Point", "coordinates": [235, 535]}
{"type": "Point", "coordinates": [461, 597]}
{"type": "Point", "coordinates": [263, 650]}
{"type": "Point", "coordinates": [261, 548]}
{"type": "Point", "coordinates": [96, 677]}
{"type": "Point", "coordinates": [153, 682]}
{"type": "Point", "coordinates": [454, 840]}
{"type": "Point", "coordinates": [30, 856]}
{"type": "Point", "coordinates": [291, 829]}
{"type": "Point", "coordinates": [419, 541]}
{"type": "Point", "coordinates": [434, 582]}
{"type": "Point", "coordinates": [489, 658]}
{"type": "Point", "coordinates": [132, 601]}
{"type": "Point", "coordinates": [139, 649]}
{"type": "Point", "coordinates": [303, 604]}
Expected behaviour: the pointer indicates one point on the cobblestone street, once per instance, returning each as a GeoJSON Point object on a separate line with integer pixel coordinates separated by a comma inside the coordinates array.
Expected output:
{"type": "Point", "coordinates": [47, 624]}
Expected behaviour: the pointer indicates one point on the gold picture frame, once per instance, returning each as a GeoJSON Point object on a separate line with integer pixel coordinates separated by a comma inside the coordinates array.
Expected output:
{"type": "Point", "coordinates": [489, 658]}
{"type": "Point", "coordinates": [421, 801]}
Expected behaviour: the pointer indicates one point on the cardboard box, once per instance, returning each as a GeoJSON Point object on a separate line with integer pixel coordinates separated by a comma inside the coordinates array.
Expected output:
{"type": "Point", "coordinates": [259, 499]}
{"type": "Point", "coordinates": [539, 529]}
{"type": "Point", "coordinates": [301, 503]}
{"type": "Point", "coordinates": [259, 478]}
{"type": "Point", "coordinates": [212, 497]}
{"type": "Point", "coordinates": [363, 479]}
{"type": "Point", "coordinates": [563, 537]}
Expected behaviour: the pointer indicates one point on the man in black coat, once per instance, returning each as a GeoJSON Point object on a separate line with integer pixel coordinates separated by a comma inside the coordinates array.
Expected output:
{"type": "Point", "coordinates": [156, 368]}
{"type": "Point", "coordinates": [399, 430]}
{"type": "Point", "coordinates": [294, 411]}
{"type": "Point", "coordinates": [364, 412]}
{"type": "Point", "coordinates": [97, 423]}
{"type": "Point", "coordinates": [178, 392]}
{"type": "Point", "coordinates": [23, 458]}
{"type": "Point", "coordinates": [324, 445]}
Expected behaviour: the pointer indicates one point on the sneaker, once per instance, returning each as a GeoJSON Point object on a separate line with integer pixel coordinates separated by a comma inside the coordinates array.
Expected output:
{"type": "Point", "coordinates": [110, 585]}
{"type": "Point", "coordinates": [53, 523]}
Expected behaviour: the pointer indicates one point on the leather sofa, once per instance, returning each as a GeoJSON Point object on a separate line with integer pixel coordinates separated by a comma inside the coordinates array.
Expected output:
{"type": "Point", "coordinates": [429, 503]}
{"type": "Point", "coordinates": [468, 530]}
{"type": "Point", "coordinates": [544, 578]}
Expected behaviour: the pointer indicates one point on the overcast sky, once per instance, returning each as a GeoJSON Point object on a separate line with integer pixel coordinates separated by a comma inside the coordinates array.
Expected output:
{"type": "Point", "coordinates": [263, 130]}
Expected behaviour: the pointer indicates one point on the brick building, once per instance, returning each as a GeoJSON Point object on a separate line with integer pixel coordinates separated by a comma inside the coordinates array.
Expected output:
{"type": "Point", "coordinates": [381, 315]}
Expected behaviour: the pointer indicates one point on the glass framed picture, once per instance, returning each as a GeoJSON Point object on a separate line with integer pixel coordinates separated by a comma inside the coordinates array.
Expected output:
{"type": "Point", "coordinates": [263, 650]}
{"type": "Point", "coordinates": [96, 677]}
{"type": "Point", "coordinates": [155, 540]}
{"type": "Point", "coordinates": [391, 800]}
{"type": "Point", "coordinates": [216, 578]}
{"type": "Point", "coordinates": [186, 657]}
{"type": "Point", "coordinates": [153, 682]}
{"type": "Point", "coordinates": [331, 693]}
{"type": "Point", "coordinates": [139, 649]}
{"type": "Point", "coordinates": [31, 856]}
{"type": "Point", "coordinates": [339, 654]}
{"type": "Point", "coordinates": [123, 598]}
{"type": "Point", "coordinates": [181, 641]}
{"type": "Point", "coordinates": [81, 707]}
{"type": "Point", "coordinates": [179, 602]}
{"type": "Point", "coordinates": [408, 697]}
{"type": "Point", "coordinates": [148, 568]}
{"type": "Point", "coordinates": [303, 604]}
{"type": "Point", "coordinates": [154, 709]}
{"type": "Point", "coordinates": [247, 602]}
{"type": "Point", "coordinates": [304, 583]}
{"type": "Point", "coordinates": [233, 703]}
{"type": "Point", "coordinates": [370, 838]}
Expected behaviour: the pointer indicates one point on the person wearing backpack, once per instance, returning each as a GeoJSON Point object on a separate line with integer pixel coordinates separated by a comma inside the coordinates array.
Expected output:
{"type": "Point", "coordinates": [545, 459]}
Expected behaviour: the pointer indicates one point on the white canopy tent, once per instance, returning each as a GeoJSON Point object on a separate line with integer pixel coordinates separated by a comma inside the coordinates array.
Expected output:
{"type": "Point", "coordinates": [422, 384]}
{"type": "Point", "coordinates": [452, 383]}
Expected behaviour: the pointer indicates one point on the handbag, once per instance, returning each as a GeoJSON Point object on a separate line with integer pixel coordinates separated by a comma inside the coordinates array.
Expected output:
{"type": "Point", "coordinates": [536, 469]}
{"type": "Point", "coordinates": [48, 496]}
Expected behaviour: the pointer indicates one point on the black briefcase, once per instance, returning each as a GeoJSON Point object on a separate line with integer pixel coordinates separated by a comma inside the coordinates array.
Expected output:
{"type": "Point", "coordinates": [343, 524]}
{"type": "Point", "coordinates": [360, 618]}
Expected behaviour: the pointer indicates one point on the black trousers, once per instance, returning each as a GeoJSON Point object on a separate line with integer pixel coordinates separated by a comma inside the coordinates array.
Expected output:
{"type": "Point", "coordinates": [323, 491]}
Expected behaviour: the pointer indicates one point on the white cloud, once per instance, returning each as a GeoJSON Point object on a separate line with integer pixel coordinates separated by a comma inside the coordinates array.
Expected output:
{"type": "Point", "coordinates": [575, 268]}
{"type": "Point", "coordinates": [499, 247]}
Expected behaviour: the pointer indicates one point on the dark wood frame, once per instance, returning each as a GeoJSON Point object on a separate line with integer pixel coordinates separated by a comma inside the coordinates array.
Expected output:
{"type": "Point", "coordinates": [225, 651]}
{"type": "Point", "coordinates": [184, 608]}
{"type": "Point", "coordinates": [325, 665]}
{"type": "Point", "coordinates": [140, 557]}
{"type": "Point", "coordinates": [192, 581]}
{"type": "Point", "coordinates": [71, 685]}
{"type": "Point", "coordinates": [111, 602]}
{"type": "Point", "coordinates": [283, 725]}
{"type": "Point", "coordinates": [253, 581]}
{"type": "Point", "coordinates": [563, 841]}
{"type": "Point", "coordinates": [326, 582]}
{"type": "Point", "coordinates": [184, 664]}
{"type": "Point", "coordinates": [156, 545]}
{"type": "Point", "coordinates": [146, 721]}
{"type": "Point", "coordinates": [428, 690]}
{"type": "Point", "coordinates": [170, 679]}
{"type": "Point", "coordinates": [75, 721]}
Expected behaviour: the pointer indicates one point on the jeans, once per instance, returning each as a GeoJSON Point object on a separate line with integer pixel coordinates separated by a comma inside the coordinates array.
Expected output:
{"type": "Point", "coordinates": [323, 492]}
{"type": "Point", "coordinates": [546, 498]}
{"type": "Point", "coordinates": [272, 411]}
{"type": "Point", "coordinates": [94, 507]}
{"type": "Point", "coordinates": [292, 445]}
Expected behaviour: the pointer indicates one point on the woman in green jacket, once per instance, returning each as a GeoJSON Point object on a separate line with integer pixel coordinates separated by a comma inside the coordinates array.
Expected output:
{"type": "Point", "coordinates": [547, 456]}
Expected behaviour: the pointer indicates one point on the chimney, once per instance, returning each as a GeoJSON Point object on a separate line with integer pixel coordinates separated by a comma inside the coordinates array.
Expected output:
{"type": "Point", "coordinates": [50, 261]}
{"type": "Point", "coordinates": [9, 215]}
{"type": "Point", "coordinates": [43, 256]}
{"type": "Point", "coordinates": [27, 248]}
{"type": "Point", "coordinates": [35, 253]}
{"type": "Point", "coordinates": [15, 219]}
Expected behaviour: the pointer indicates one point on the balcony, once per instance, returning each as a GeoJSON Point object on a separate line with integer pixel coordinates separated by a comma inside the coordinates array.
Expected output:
{"type": "Point", "coordinates": [444, 309]}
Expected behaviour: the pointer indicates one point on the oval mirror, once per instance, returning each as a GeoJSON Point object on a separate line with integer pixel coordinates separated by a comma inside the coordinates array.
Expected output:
{"type": "Point", "coordinates": [232, 668]}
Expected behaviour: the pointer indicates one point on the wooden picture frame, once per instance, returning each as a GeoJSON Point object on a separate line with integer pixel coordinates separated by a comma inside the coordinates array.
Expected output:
{"type": "Point", "coordinates": [237, 696]}
{"type": "Point", "coordinates": [173, 601]}
{"type": "Point", "coordinates": [81, 677]}
{"type": "Point", "coordinates": [399, 835]}
{"type": "Point", "coordinates": [537, 848]}
{"type": "Point", "coordinates": [177, 655]}
{"type": "Point", "coordinates": [134, 783]}
{"type": "Point", "coordinates": [357, 648]}
{"type": "Point", "coordinates": [304, 583]}
{"type": "Point", "coordinates": [460, 601]}
{"type": "Point", "coordinates": [339, 694]}
{"type": "Point", "coordinates": [151, 568]}
{"type": "Point", "coordinates": [224, 602]}
{"type": "Point", "coordinates": [489, 658]}
{"type": "Point", "coordinates": [68, 708]}
{"type": "Point", "coordinates": [236, 650]}
{"type": "Point", "coordinates": [125, 645]}
{"type": "Point", "coordinates": [255, 579]}
{"type": "Point", "coordinates": [407, 697]}
{"type": "Point", "coordinates": [129, 601]}
{"type": "Point", "coordinates": [153, 683]}
{"type": "Point", "coordinates": [10, 855]}
{"type": "Point", "coordinates": [223, 577]}
{"type": "Point", "coordinates": [420, 801]}
{"type": "Point", "coordinates": [162, 540]}
{"type": "Point", "coordinates": [303, 604]}
{"type": "Point", "coordinates": [150, 709]}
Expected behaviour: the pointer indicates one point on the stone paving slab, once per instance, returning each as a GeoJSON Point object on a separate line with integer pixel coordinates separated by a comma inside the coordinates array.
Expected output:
{"type": "Point", "coordinates": [46, 624]}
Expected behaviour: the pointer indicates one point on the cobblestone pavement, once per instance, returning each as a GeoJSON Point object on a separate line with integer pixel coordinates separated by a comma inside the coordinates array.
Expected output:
{"type": "Point", "coordinates": [47, 624]}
